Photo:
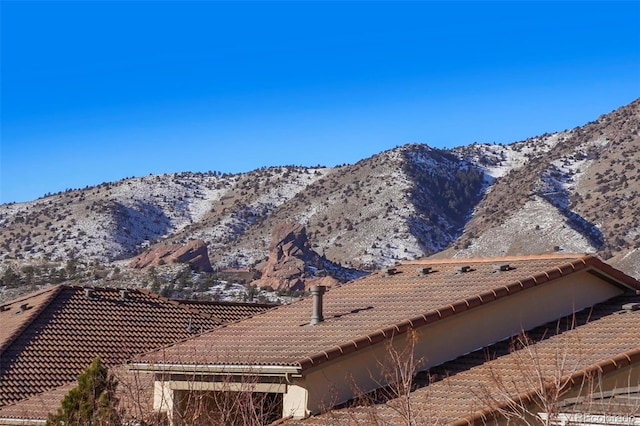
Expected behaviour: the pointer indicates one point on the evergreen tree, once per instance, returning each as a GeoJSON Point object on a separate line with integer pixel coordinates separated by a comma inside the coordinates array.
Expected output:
{"type": "Point", "coordinates": [92, 402]}
{"type": "Point", "coordinates": [10, 278]}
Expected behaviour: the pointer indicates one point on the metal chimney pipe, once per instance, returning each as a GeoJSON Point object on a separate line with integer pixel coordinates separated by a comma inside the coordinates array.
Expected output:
{"type": "Point", "coordinates": [317, 291]}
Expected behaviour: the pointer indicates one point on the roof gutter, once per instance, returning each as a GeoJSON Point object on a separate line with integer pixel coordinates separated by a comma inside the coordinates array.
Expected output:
{"type": "Point", "coordinates": [15, 421]}
{"type": "Point", "coordinates": [262, 370]}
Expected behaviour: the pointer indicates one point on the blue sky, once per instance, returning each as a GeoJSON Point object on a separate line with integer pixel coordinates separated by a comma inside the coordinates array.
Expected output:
{"type": "Point", "coordinates": [97, 91]}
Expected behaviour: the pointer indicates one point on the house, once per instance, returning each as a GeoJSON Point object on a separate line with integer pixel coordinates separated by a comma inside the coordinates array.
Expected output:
{"type": "Point", "coordinates": [48, 337]}
{"type": "Point", "coordinates": [582, 369]}
{"type": "Point", "coordinates": [309, 356]}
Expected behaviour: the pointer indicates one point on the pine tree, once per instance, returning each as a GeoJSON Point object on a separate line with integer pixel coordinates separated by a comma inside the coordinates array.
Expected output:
{"type": "Point", "coordinates": [92, 402]}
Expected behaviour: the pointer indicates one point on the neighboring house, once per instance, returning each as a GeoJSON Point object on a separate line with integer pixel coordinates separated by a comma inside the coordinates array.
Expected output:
{"type": "Point", "coordinates": [48, 337]}
{"type": "Point", "coordinates": [322, 351]}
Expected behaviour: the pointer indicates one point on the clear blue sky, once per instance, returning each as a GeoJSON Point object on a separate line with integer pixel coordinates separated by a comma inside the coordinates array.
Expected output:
{"type": "Point", "coordinates": [98, 91]}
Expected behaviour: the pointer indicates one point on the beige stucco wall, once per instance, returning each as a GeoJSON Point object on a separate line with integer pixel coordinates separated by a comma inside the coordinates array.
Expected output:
{"type": "Point", "coordinates": [338, 381]}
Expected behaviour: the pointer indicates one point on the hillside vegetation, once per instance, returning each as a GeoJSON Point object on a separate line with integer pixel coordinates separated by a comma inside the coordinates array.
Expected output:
{"type": "Point", "coordinates": [575, 191]}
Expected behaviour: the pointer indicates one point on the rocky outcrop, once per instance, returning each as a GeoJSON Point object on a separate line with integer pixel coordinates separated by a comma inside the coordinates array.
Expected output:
{"type": "Point", "coordinates": [292, 264]}
{"type": "Point", "coordinates": [194, 253]}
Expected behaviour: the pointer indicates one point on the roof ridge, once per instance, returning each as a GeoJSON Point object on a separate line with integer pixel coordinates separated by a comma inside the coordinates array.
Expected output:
{"type": "Point", "coordinates": [191, 306]}
{"type": "Point", "coordinates": [32, 294]}
{"type": "Point", "coordinates": [55, 291]}
{"type": "Point", "coordinates": [542, 256]}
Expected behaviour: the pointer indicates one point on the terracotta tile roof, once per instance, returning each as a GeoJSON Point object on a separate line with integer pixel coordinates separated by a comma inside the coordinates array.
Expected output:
{"type": "Point", "coordinates": [373, 308]}
{"type": "Point", "coordinates": [36, 408]}
{"type": "Point", "coordinates": [470, 389]}
{"type": "Point", "coordinates": [134, 393]}
{"type": "Point", "coordinates": [62, 329]}
{"type": "Point", "coordinates": [18, 314]}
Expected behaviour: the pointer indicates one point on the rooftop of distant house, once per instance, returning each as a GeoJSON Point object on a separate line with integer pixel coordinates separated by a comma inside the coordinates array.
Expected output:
{"type": "Point", "coordinates": [48, 337]}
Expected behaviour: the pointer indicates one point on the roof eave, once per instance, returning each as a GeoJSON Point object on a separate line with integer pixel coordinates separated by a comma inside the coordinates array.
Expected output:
{"type": "Point", "coordinates": [611, 274]}
{"type": "Point", "coordinates": [226, 369]}
{"type": "Point", "coordinates": [12, 421]}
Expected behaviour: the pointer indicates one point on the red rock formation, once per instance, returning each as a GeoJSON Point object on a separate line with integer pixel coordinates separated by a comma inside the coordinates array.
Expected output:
{"type": "Point", "coordinates": [193, 253]}
{"type": "Point", "coordinates": [291, 261]}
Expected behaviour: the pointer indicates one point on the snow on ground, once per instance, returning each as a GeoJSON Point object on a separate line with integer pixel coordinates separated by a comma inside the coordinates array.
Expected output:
{"type": "Point", "coordinates": [497, 160]}
{"type": "Point", "coordinates": [560, 179]}
{"type": "Point", "coordinates": [630, 263]}
{"type": "Point", "coordinates": [185, 197]}
{"type": "Point", "coordinates": [11, 209]}
{"type": "Point", "coordinates": [537, 227]}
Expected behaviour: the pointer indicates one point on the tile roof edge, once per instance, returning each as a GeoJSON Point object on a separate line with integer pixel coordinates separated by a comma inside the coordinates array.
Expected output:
{"type": "Point", "coordinates": [64, 388]}
{"type": "Point", "coordinates": [612, 274]}
{"type": "Point", "coordinates": [225, 303]}
{"type": "Point", "coordinates": [193, 307]}
{"type": "Point", "coordinates": [33, 294]}
{"type": "Point", "coordinates": [603, 367]}
{"type": "Point", "coordinates": [457, 307]}
{"type": "Point", "coordinates": [177, 303]}
{"type": "Point", "coordinates": [54, 290]}
{"type": "Point", "coordinates": [451, 261]}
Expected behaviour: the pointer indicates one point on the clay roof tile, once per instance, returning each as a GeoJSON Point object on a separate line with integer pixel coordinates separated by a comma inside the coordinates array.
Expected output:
{"type": "Point", "coordinates": [64, 331]}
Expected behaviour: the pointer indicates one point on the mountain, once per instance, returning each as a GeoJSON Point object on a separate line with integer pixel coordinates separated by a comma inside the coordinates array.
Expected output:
{"type": "Point", "coordinates": [402, 203]}
{"type": "Point", "coordinates": [573, 191]}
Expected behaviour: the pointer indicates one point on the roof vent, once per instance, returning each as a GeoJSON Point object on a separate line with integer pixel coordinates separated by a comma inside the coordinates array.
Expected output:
{"type": "Point", "coordinates": [4, 308]}
{"type": "Point", "coordinates": [503, 267]}
{"type": "Point", "coordinates": [463, 268]}
{"type": "Point", "coordinates": [631, 306]}
{"type": "Point", "coordinates": [317, 291]}
{"type": "Point", "coordinates": [390, 271]}
{"type": "Point", "coordinates": [23, 308]}
{"type": "Point", "coordinates": [124, 294]}
{"type": "Point", "coordinates": [425, 271]}
{"type": "Point", "coordinates": [89, 293]}
{"type": "Point", "coordinates": [190, 328]}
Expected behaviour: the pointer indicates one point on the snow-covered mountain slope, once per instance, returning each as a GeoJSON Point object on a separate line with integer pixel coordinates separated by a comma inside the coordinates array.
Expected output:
{"type": "Point", "coordinates": [535, 227]}
{"type": "Point", "coordinates": [589, 178]}
{"type": "Point", "coordinates": [575, 190]}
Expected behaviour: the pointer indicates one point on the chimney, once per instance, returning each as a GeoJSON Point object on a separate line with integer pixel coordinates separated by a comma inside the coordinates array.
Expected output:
{"type": "Point", "coordinates": [317, 291]}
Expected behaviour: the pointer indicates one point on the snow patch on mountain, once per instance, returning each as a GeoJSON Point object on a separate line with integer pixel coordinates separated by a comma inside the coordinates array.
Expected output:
{"type": "Point", "coordinates": [497, 159]}
{"type": "Point", "coordinates": [537, 227]}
